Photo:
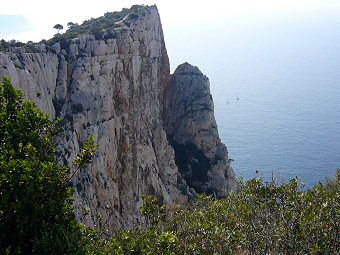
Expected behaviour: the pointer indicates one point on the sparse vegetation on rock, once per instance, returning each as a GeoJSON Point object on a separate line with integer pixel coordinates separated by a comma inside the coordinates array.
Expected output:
{"type": "Point", "coordinates": [102, 27]}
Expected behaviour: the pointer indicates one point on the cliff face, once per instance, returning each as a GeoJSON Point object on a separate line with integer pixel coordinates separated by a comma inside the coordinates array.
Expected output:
{"type": "Point", "coordinates": [192, 131]}
{"type": "Point", "coordinates": [114, 88]}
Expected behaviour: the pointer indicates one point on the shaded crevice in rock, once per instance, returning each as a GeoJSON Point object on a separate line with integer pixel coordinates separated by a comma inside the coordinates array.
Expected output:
{"type": "Point", "coordinates": [193, 165]}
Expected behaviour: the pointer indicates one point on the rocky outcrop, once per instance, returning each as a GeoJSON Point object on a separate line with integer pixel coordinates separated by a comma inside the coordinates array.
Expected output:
{"type": "Point", "coordinates": [113, 87]}
{"type": "Point", "coordinates": [190, 125]}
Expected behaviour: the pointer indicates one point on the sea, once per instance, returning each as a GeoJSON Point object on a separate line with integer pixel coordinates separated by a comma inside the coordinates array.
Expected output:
{"type": "Point", "coordinates": [276, 90]}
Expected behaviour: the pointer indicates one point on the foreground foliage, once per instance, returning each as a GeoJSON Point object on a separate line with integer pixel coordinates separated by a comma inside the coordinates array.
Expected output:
{"type": "Point", "coordinates": [36, 207]}
{"type": "Point", "coordinates": [260, 218]}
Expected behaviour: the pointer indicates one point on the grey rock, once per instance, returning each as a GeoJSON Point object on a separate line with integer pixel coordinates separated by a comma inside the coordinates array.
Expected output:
{"type": "Point", "coordinates": [190, 124]}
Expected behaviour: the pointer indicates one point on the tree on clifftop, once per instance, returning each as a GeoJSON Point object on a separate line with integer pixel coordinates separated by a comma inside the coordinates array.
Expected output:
{"type": "Point", "coordinates": [58, 27]}
{"type": "Point", "coordinates": [70, 24]}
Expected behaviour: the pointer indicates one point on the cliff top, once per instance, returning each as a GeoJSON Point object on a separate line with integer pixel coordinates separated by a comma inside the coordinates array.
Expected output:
{"type": "Point", "coordinates": [102, 28]}
{"type": "Point", "coordinates": [187, 69]}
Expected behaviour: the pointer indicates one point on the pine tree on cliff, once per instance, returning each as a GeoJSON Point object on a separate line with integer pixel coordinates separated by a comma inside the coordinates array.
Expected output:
{"type": "Point", "coordinates": [58, 27]}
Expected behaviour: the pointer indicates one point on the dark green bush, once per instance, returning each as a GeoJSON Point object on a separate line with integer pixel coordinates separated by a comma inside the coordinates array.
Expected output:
{"type": "Point", "coordinates": [36, 208]}
{"type": "Point", "coordinates": [4, 45]}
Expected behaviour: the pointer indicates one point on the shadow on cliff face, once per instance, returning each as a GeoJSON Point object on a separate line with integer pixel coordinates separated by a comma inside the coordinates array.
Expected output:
{"type": "Point", "coordinates": [193, 166]}
{"type": "Point", "coordinates": [191, 130]}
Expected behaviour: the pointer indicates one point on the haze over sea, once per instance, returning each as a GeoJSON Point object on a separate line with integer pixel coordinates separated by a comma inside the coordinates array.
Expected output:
{"type": "Point", "coordinates": [276, 88]}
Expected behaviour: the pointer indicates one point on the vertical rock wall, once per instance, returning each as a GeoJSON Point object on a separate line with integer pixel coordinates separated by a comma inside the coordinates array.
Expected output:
{"type": "Point", "coordinates": [190, 124]}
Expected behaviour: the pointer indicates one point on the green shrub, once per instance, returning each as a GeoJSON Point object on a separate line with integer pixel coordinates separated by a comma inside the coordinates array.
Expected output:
{"type": "Point", "coordinates": [36, 208]}
{"type": "Point", "coordinates": [259, 218]}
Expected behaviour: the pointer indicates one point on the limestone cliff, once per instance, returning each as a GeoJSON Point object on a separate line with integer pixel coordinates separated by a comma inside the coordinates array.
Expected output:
{"type": "Point", "coordinates": [192, 131]}
{"type": "Point", "coordinates": [114, 86]}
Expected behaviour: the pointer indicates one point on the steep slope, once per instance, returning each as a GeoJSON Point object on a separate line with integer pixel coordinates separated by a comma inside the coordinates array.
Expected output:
{"type": "Point", "coordinates": [110, 83]}
{"type": "Point", "coordinates": [190, 124]}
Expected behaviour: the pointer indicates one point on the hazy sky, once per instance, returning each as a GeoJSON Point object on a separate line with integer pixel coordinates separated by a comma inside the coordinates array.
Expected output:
{"type": "Point", "coordinates": [41, 16]}
{"type": "Point", "coordinates": [188, 25]}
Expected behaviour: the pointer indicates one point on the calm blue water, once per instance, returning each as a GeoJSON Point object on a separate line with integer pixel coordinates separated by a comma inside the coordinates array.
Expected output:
{"type": "Point", "coordinates": [287, 79]}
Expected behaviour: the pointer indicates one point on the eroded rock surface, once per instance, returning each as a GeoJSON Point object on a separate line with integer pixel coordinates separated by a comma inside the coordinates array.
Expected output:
{"type": "Point", "coordinates": [190, 124]}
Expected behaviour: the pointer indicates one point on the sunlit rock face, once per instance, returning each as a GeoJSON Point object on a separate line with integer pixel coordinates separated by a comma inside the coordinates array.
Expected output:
{"type": "Point", "coordinates": [119, 88]}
